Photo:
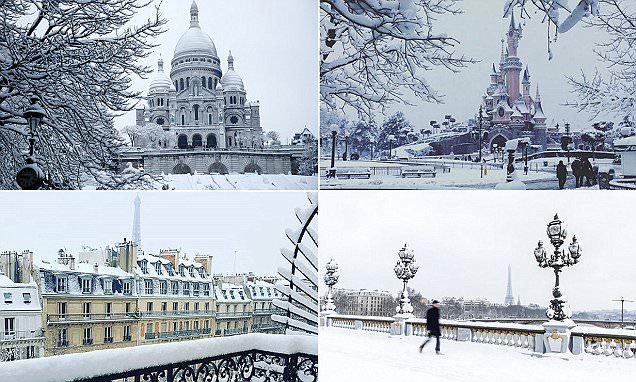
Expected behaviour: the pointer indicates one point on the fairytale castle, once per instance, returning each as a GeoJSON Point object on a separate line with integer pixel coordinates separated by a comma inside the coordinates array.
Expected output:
{"type": "Point", "coordinates": [510, 110]}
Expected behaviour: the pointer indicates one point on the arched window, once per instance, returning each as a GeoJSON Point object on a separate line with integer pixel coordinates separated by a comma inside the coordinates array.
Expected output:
{"type": "Point", "coordinates": [210, 83]}
{"type": "Point", "coordinates": [215, 82]}
{"type": "Point", "coordinates": [196, 112]}
{"type": "Point", "coordinates": [197, 140]}
{"type": "Point", "coordinates": [209, 119]}
{"type": "Point", "coordinates": [181, 84]}
{"type": "Point", "coordinates": [182, 119]}
{"type": "Point", "coordinates": [188, 82]}
{"type": "Point", "coordinates": [203, 82]}
{"type": "Point", "coordinates": [176, 84]}
{"type": "Point", "coordinates": [182, 141]}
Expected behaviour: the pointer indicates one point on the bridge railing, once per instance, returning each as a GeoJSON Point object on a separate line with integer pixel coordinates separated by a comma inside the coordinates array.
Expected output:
{"type": "Point", "coordinates": [250, 357]}
{"type": "Point", "coordinates": [592, 340]}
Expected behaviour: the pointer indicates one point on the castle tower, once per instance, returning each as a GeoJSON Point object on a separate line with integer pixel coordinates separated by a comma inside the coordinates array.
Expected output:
{"type": "Point", "coordinates": [526, 83]}
{"type": "Point", "coordinates": [512, 65]}
{"type": "Point", "coordinates": [540, 129]}
{"type": "Point", "coordinates": [136, 233]}
{"type": "Point", "coordinates": [510, 300]}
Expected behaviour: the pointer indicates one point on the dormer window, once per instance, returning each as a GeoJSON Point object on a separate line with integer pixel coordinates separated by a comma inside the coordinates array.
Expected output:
{"type": "Point", "coordinates": [148, 285]}
{"type": "Point", "coordinates": [27, 297]}
{"type": "Point", "coordinates": [61, 284]}
{"type": "Point", "coordinates": [169, 269]}
{"type": "Point", "coordinates": [186, 288]}
{"type": "Point", "coordinates": [108, 286]}
{"type": "Point", "coordinates": [86, 285]}
{"type": "Point", "coordinates": [241, 295]}
{"type": "Point", "coordinates": [182, 271]}
{"type": "Point", "coordinates": [191, 271]}
{"type": "Point", "coordinates": [206, 289]}
{"type": "Point", "coordinates": [8, 298]}
{"type": "Point", "coordinates": [144, 267]}
{"type": "Point", "coordinates": [158, 268]}
{"type": "Point", "coordinates": [232, 294]}
{"type": "Point", "coordinates": [127, 287]}
{"type": "Point", "coordinates": [195, 289]}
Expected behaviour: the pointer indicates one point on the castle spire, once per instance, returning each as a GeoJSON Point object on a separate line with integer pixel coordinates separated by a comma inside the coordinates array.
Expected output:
{"type": "Point", "coordinates": [526, 76]}
{"type": "Point", "coordinates": [512, 21]}
{"type": "Point", "coordinates": [503, 53]}
{"type": "Point", "coordinates": [538, 97]}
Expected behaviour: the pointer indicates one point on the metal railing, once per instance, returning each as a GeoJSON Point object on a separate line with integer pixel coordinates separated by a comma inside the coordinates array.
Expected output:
{"type": "Point", "coordinates": [258, 358]}
{"type": "Point", "coordinates": [233, 314]}
{"type": "Point", "coordinates": [20, 335]}
{"type": "Point", "coordinates": [161, 313]}
{"type": "Point", "coordinates": [83, 317]}
{"type": "Point", "coordinates": [233, 332]}
{"type": "Point", "coordinates": [184, 333]}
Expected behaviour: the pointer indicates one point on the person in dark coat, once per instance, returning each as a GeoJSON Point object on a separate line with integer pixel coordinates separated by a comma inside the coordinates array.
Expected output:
{"type": "Point", "coordinates": [432, 325]}
{"type": "Point", "coordinates": [588, 172]}
{"type": "Point", "coordinates": [562, 174]}
{"type": "Point", "coordinates": [576, 171]}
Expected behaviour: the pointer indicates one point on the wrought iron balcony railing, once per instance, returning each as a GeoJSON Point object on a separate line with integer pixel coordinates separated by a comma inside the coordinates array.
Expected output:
{"type": "Point", "coordinates": [230, 315]}
{"type": "Point", "coordinates": [84, 317]}
{"type": "Point", "coordinates": [260, 357]}
{"type": "Point", "coordinates": [161, 313]}
{"type": "Point", "coordinates": [20, 335]}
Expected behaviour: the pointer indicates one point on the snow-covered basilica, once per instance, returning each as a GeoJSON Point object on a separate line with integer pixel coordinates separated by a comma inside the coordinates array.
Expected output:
{"type": "Point", "coordinates": [202, 105]}
{"type": "Point", "coordinates": [511, 112]}
{"type": "Point", "coordinates": [210, 126]}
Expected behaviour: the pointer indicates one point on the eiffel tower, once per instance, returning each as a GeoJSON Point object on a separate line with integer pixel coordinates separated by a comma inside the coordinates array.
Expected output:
{"type": "Point", "coordinates": [510, 300]}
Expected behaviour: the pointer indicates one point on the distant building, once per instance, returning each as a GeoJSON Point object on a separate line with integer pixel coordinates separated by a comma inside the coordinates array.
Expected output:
{"type": "Point", "coordinates": [303, 137]}
{"type": "Point", "coordinates": [262, 293]}
{"type": "Point", "coordinates": [364, 302]}
{"type": "Point", "coordinates": [509, 300]}
{"type": "Point", "coordinates": [21, 334]}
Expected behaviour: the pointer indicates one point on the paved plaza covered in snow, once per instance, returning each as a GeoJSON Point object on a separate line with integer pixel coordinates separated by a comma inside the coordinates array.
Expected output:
{"type": "Point", "coordinates": [357, 355]}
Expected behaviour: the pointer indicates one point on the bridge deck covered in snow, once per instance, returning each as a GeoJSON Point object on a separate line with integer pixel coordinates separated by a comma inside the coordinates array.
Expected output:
{"type": "Point", "coordinates": [359, 355]}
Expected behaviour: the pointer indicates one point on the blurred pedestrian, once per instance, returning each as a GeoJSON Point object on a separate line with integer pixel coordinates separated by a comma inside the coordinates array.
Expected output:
{"type": "Point", "coordinates": [576, 171]}
{"type": "Point", "coordinates": [432, 326]}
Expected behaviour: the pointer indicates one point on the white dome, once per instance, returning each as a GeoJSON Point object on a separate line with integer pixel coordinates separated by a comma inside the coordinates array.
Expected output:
{"type": "Point", "coordinates": [231, 80]}
{"type": "Point", "coordinates": [160, 81]}
{"type": "Point", "coordinates": [195, 40]}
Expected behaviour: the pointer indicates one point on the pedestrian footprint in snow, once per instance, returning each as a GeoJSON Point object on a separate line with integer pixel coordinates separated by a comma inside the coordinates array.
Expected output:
{"type": "Point", "coordinates": [432, 326]}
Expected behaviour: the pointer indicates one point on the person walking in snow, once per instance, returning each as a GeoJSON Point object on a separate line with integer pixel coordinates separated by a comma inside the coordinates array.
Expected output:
{"type": "Point", "coordinates": [432, 325]}
{"type": "Point", "coordinates": [576, 171]}
{"type": "Point", "coordinates": [562, 174]}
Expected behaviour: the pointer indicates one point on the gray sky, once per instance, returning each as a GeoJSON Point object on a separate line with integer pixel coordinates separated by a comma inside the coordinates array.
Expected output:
{"type": "Point", "coordinates": [216, 223]}
{"type": "Point", "coordinates": [464, 242]}
{"type": "Point", "coordinates": [480, 30]}
{"type": "Point", "coordinates": [274, 44]}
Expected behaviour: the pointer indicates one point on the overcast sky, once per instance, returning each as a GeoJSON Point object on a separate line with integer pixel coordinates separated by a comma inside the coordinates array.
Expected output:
{"type": "Point", "coordinates": [464, 242]}
{"type": "Point", "coordinates": [216, 223]}
{"type": "Point", "coordinates": [480, 30]}
{"type": "Point", "coordinates": [275, 49]}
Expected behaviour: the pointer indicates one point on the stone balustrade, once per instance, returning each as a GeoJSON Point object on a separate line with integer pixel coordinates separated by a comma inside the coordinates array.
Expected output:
{"type": "Point", "coordinates": [618, 343]}
{"type": "Point", "coordinates": [597, 341]}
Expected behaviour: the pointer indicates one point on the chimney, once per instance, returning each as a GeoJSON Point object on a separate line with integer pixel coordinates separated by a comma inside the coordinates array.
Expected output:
{"type": "Point", "coordinates": [127, 255]}
{"type": "Point", "coordinates": [96, 268]}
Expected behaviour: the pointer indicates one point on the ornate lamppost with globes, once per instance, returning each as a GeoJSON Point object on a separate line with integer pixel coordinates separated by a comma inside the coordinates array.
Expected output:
{"type": "Point", "coordinates": [405, 269]}
{"type": "Point", "coordinates": [346, 139]}
{"type": "Point", "coordinates": [372, 143]}
{"type": "Point", "coordinates": [557, 261]}
{"type": "Point", "coordinates": [30, 176]}
{"type": "Point", "coordinates": [331, 278]}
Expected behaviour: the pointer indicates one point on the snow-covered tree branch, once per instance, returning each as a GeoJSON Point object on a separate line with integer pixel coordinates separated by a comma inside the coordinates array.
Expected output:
{"type": "Point", "coordinates": [375, 52]}
{"type": "Point", "coordinates": [78, 58]}
{"type": "Point", "coordinates": [613, 93]}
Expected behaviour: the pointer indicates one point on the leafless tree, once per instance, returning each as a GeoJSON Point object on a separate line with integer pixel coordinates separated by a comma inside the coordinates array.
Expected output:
{"type": "Point", "coordinates": [374, 53]}
{"type": "Point", "coordinates": [78, 57]}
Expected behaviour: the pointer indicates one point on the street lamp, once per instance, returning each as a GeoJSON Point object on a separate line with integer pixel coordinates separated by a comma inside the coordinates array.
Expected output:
{"type": "Point", "coordinates": [391, 139]}
{"type": "Point", "coordinates": [30, 176]}
{"type": "Point", "coordinates": [346, 134]}
{"type": "Point", "coordinates": [372, 141]}
{"type": "Point", "coordinates": [331, 278]}
{"type": "Point", "coordinates": [623, 301]}
{"type": "Point", "coordinates": [405, 269]}
{"type": "Point", "coordinates": [525, 142]}
{"type": "Point", "coordinates": [479, 137]}
{"type": "Point", "coordinates": [332, 169]}
{"type": "Point", "coordinates": [557, 233]}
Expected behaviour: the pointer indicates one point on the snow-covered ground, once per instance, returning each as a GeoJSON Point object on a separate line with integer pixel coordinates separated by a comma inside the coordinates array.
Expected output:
{"type": "Point", "coordinates": [462, 175]}
{"type": "Point", "coordinates": [240, 182]}
{"type": "Point", "coordinates": [355, 355]}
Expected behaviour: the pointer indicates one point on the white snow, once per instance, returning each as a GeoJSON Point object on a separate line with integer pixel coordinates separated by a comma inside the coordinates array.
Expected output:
{"type": "Point", "coordinates": [241, 182]}
{"type": "Point", "coordinates": [69, 367]}
{"type": "Point", "coordinates": [354, 355]}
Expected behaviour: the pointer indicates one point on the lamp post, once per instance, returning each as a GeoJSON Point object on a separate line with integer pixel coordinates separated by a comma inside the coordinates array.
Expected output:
{"type": "Point", "coordinates": [372, 141]}
{"type": "Point", "coordinates": [623, 301]}
{"type": "Point", "coordinates": [30, 176]}
{"type": "Point", "coordinates": [331, 278]}
{"type": "Point", "coordinates": [332, 169]}
{"type": "Point", "coordinates": [557, 233]}
{"type": "Point", "coordinates": [346, 134]}
{"type": "Point", "coordinates": [405, 269]}
{"type": "Point", "coordinates": [391, 139]}
{"type": "Point", "coordinates": [479, 138]}
{"type": "Point", "coordinates": [525, 142]}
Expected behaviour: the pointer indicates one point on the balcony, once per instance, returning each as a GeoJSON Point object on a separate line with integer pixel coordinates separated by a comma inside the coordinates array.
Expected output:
{"type": "Point", "coordinates": [233, 332]}
{"type": "Point", "coordinates": [231, 315]}
{"type": "Point", "coordinates": [256, 357]}
{"type": "Point", "coordinates": [62, 343]}
{"type": "Point", "coordinates": [184, 333]}
{"type": "Point", "coordinates": [87, 341]}
{"type": "Point", "coordinates": [108, 340]}
{"type": "Point", "coordinates": [20, 335]}
{"type": "Point", "coordinates": [181, 313]}
{"type": "Point", "coordinates": [92, 317]}
{"type": "Point", "coordinates": [265, 312]}
{"type": "Point", "coordinates": [127, 338]}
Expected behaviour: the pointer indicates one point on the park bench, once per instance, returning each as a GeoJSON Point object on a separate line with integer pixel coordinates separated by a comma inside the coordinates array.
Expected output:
{"type": "Point", "coordinates": [353, 172]}
{"type": "Point", "coordinates": [418, 171]}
